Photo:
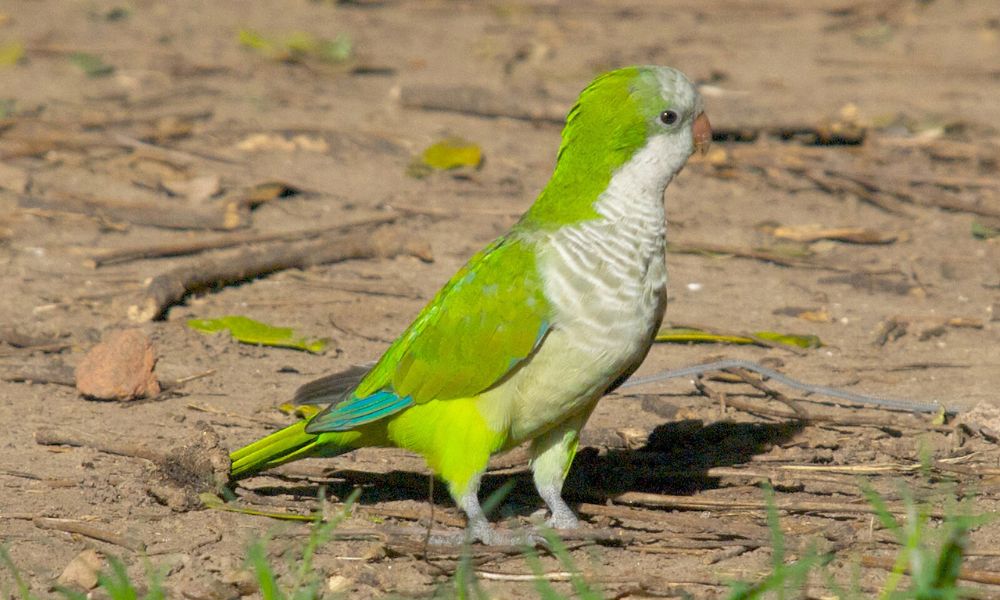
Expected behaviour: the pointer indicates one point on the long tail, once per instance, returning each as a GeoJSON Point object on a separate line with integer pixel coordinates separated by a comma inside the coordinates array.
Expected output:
{"type": "Point", "coordinates": [286, 445]}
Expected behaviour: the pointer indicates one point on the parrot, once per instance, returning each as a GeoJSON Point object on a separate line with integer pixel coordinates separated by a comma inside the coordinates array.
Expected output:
{"type": "Point", "coordinates": [521, 343]}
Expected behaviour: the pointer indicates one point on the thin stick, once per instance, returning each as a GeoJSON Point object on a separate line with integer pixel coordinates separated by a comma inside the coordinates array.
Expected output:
{"type": "Point", "coordinates": [64, 375]}
{"type": "Point", "coordinates": [834, 185]}
{"type": "Point", "coordinates": [55, 375]}
{"type": "Point", "coordinates": [221, 216]}
{"type": "Point", "coordinates": [964, 574]}
{"type": "Point", "coordinates": [167, 154]}
{"type": "Point", "coordinates": [835, 419]}
{"type": "Point", "coordinates": [84, 529]}
{"type": "Point", "coordinates": [479, 102]}
{"type": "Point", "coordinates": [13, 337]}
{"type": "Point", "coordinates": [761, 255]}
{"type": "Point", "coordinates": [800, 412]}
{"type": "Point", "coordinates": [57, 437]}
{"type": "Point", "coordinates": [903, 191]}
{"type": "Point", "coordinates": [557, 576]}
{"type": "Point", "coordinates": [122, 255]}
{"type": "Point", "coordinates": [170, 288]}
{"type": "Point", "coordinates": [691, 503]}
{"type": "Point", "coordinates": [863, 399]}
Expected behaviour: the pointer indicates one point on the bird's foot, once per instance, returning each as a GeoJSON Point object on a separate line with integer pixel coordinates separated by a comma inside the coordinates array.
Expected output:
{"type": "Point", "coordinates": [561, 515]}
{"type": "Point", "coordinates": [563, 520]}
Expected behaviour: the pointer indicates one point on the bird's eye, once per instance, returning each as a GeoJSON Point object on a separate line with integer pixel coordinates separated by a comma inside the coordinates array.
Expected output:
{"type": "Point", "coordinates": [669, 117]}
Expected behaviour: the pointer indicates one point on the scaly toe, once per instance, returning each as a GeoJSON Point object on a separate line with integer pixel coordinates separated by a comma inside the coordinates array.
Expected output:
{"type": "Point", "coordinates": [563, 521]}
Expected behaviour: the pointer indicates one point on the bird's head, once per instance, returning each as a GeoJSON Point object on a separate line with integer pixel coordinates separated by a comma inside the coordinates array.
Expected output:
{"type": "Point", "coordinates": [624, 110]}
{"type": "Point", "coordinates": [648, 120]}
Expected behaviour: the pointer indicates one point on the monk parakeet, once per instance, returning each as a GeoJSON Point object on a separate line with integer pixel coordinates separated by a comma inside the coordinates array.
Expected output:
{"type": "Point", "coordinates": [524, 340]}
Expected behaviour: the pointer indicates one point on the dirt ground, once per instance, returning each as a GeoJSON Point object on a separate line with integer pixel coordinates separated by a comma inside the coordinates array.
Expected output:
{"type": "Point", "coordinates": [190, 123]}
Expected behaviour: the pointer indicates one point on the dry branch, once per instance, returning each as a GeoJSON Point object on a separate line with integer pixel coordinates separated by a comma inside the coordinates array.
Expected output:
{"type": "Point", "coordinates": [692, 503]}
{"type": "Point", "coordinates": [121, 255]}
{"type": "Point", "coordinates": [833, 184]}
{"type": "Point", "coordinates": [12, 337]}
{"type": "Point", "coordinates": [63, 375]}
{"type": "Point", "coordinates": [964, 574]}
{"type": "Point", "coordinates": [56, 437]}
{"type": "Point", "coordinates": [888, 187]}
{"type": "Point", "coordinates": [87, 530]}
{"type": "Point", "coordinates": [761, 255]}
{"type": "Point", "coordinates": [230, 215]}
{"type": "Point", "coordinates": [892, 422]}
{"type": "Point", "coordinates": [166, 154]}
{"type": "Point", "coordinates": [169, 288]}
{"type": "Point", "coordinates": [54, 375]}
{"type": "Point", "coordinates": [479, 102]}
{"type": "Point", "coordinates": [819, 134]}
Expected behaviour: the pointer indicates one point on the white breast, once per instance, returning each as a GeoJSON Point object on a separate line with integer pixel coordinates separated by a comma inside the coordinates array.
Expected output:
{"type": "Point", "coordinates": [606, 282]}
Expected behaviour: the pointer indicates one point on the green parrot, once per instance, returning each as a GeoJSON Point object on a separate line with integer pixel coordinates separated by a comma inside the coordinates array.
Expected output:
{"type": "Point", "coordinates": [524, 340]}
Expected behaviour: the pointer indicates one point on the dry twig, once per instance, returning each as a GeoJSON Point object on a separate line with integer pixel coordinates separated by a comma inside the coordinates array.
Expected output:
{"type": "Point", "coordinates": [889, 564]}
{"type": "Point", "coordinates": [169, 288]}
{"type": "Point", "coordinates": [230, 215]}
{"type": "Point", "coordinates": [87, 530]}
{"type": "Point", "coordinates": [692, 503]}
{"type": "Point", "coordinates": [121, 255]}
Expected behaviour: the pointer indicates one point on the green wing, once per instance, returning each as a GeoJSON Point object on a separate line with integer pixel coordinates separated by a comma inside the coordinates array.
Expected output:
{"type": "Point", "coordinates": [480, 326]}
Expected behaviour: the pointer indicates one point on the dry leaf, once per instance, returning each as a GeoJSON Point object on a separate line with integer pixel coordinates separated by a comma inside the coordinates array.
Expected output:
{"type": "Point", "coordinates": [196, 189]}
{"type": "Point", "coordinates": [272, 141]}
{"type": "Point", "coordinates": [268, 191]}
{"type": "Point", "coordinates": [82, 571]}
{"type": "Point", "coordinates": [853, 235]}
{"type": "Point", "coordinates": [816, 315]}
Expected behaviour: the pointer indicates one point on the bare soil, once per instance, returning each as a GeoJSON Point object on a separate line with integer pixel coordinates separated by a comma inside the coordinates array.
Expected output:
{"type": "Point", "coordinates": [668, 477]}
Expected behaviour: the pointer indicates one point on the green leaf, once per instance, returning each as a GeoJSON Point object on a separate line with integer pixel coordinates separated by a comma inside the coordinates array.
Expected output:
{"type": "Point", "coordinates": [249, 331]}
{"type": "Point", "coordinates": [91, 64]}
{"type": "Point", "coordinates": [451, 153]}
{"type": "Point", "coordinates": [691, 335]}
{"type": "Point", "coordinates": [981, 231]}
{"type": "Point", "coordinates": [336, 50]}
{"type": "Point", "coordinates": [790, 339]}
{"type": "Point", "coordinates": [298, 46]}
{"type": "Point", "coordinates": [302, 411]}
{"type": "Point", "coordinates": [254, 40]}
{"type": "Point", "coordinates": [214, 502]}
{"type": "Point", "coordinates": [11, 53]}
{"type": "Point", "coordinates": [301, 42]}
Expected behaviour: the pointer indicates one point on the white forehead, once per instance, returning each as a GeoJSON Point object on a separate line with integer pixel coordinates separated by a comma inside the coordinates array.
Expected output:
{"type": "Point", "coordinates": [678, 88]}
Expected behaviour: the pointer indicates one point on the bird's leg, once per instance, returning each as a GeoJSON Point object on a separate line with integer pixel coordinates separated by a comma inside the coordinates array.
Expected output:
{"type": "Point", "coordinates": [478, 528]}
{"type": "Point", "coordinates": [552, 453]}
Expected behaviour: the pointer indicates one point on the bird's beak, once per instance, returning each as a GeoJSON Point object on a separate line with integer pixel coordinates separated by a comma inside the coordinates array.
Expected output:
{"type": "Point", "coordinates": [701, 130]}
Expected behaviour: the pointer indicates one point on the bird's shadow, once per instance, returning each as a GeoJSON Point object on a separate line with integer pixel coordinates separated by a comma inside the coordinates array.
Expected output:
{"type": "Point", "coordinates": [675, 460]}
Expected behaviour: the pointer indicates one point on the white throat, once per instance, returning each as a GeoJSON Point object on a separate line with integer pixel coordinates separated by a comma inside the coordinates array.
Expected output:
{"type": "Point", "coordinates": [635, 191]}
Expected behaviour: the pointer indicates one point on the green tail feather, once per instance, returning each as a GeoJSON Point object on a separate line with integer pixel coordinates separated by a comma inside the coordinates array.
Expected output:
{"type": "Point", "coordinates": [286, 445]}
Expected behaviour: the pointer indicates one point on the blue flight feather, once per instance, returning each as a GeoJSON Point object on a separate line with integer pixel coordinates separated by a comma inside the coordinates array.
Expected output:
{"type": "Point", "coordinates": [358, 411]}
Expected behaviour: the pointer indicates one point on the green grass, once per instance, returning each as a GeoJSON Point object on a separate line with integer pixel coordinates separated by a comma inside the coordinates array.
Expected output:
{"type": "Point", "coordinates": [785, 578]}
{"type": "Point", "coordinates": [114, 581]}
{"type": "Point", "coordinates": [931, 556]}
{"type": "Point", "coordinates": [306, 583]}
